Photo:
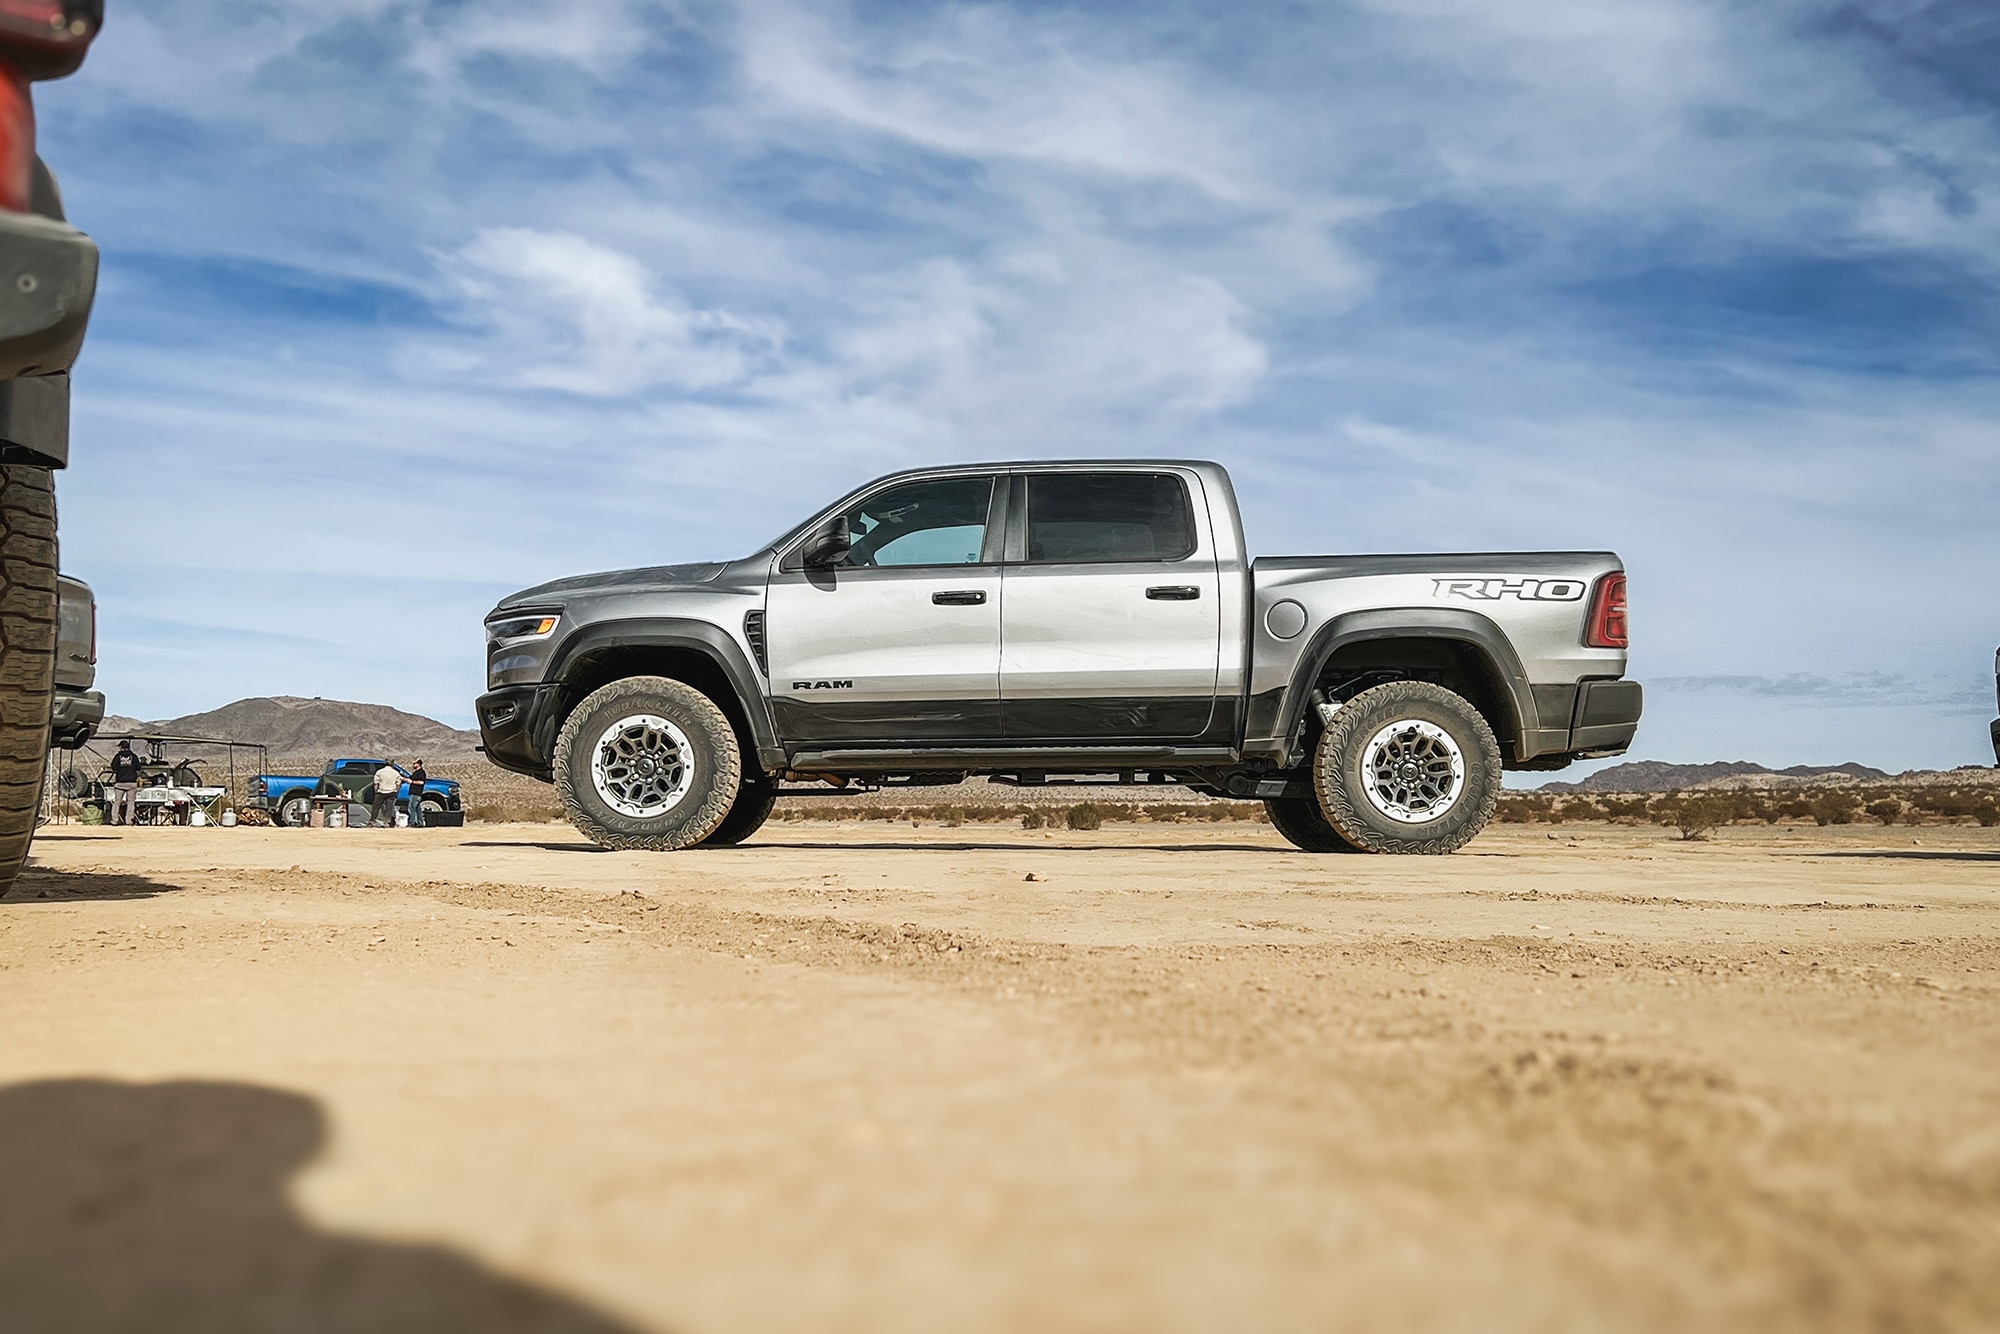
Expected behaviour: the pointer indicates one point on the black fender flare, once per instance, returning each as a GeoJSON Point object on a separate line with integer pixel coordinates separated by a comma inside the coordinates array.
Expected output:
{"type": "Point", "coordinates": [1442, 623]}
{"type": "Point", "coordinates": [675, 632]}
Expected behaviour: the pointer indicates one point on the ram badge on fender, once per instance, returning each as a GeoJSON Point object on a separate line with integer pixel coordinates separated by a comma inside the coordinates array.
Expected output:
{"type": "Point", "coordinates": [1025, 620]}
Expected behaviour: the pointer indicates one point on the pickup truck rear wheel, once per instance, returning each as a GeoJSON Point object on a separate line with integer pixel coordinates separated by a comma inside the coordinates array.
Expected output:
{"type": "Point", "coordinates": [754, 801]}
{"type": "Point", "coordinates": [294, 812]}
{"type": "Point", "coordinates": [1407, 767]}
{"type": "Point", "coordinates": [1305, 825]}
{"type": "Point", "coordinates": [647, 762]}
{"type": "Point", "coordinates": [27, 654]}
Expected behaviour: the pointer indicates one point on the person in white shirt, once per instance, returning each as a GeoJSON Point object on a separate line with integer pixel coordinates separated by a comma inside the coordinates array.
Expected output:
{"type": "Point", "coordinates": [388, 781]}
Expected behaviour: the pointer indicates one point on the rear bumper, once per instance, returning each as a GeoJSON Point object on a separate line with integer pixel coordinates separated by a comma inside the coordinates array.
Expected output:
{"type": "Point", "coordinates": [74, 717]}
{"type": "Point", "coordinates": [1606, 718]}
{"type": "Point", "coordinates": [511, 731]}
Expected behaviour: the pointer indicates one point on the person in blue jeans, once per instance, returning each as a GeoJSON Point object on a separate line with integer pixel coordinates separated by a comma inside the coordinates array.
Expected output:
{"type": "Point", "coordinates": [417, 780]}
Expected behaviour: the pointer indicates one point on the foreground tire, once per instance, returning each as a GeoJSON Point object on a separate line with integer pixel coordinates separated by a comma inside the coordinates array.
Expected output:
{"type": "Point", "coordinates": [1407, 767]}
{"type": "Point", "coordinates": [27, 654]}
{"type": "Point", "coordinates": [293, 813]}
{"type": "Point", "coordinates": [1305, 825]}
{"type": "Point", "coordinates": [647, 762]}
{"type": "Point", "coordinates": [754, 801]}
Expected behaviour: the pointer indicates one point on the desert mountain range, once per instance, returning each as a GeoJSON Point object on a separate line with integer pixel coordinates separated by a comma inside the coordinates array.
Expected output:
{"type": "Point", "coordinates": [293, 726]}
{"type": "Point", "coordinates": [1658, 776]}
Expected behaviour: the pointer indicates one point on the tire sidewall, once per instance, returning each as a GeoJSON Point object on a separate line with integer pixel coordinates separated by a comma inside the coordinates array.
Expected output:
{"type": "Point", "coordinates": [1341, 785]}
{"type": "Point", "coordinates": [755, 799]}
{"type": "Point", "coordinates": [1302, 822]}
{"type": "Point", "coordinates": [713, 755]}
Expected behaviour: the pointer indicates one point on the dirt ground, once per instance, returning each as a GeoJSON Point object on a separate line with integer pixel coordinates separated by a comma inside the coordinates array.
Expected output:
{"type": "Point", "coordinates": [879, 1078]}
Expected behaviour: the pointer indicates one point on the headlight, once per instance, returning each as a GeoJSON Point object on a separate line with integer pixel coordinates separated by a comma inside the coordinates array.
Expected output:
{"type": "Point", "coordinates": [532, 626]}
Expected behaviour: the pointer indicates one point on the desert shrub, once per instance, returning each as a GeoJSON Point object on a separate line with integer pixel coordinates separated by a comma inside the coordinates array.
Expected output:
{"type": "Point", "coordinates": [1749, 806]}
{"type": "Point", "coordinates": [1888, 810]}
{"type": "Point", "coordinates": [1523, 807]}
{"type": "Point", "coordinates": [1032, 819]}
{"type": "Point", "coordinates": [1697, 817]}
{"type": "Point", "coordinates": [1798, 808]}
{"type": "Point", "coordinates": [1835, 808]}
{"type": "Point", "coordinates": [1987, 813]}
{"type": "Point", "coordinates": [1085, 815]}
{"type": "Point", "coordinates": [952, 817]}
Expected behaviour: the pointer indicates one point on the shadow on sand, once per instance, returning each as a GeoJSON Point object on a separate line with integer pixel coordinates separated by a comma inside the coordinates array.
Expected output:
{"type": "Point", "coordinates": [545, 847]}
{"type": "Point", "coordinates": [37, 883]}
{"type": "Point", "coordinates": [957, 846]}
{"type": "Point", "coordinates": [1915, 855]}
{"type": "Point", "coordinates": [163, 1208]}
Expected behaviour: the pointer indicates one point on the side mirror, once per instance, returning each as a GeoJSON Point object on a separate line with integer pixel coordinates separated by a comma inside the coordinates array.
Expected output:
{"type": "Point", "coordinates": [831, 546]}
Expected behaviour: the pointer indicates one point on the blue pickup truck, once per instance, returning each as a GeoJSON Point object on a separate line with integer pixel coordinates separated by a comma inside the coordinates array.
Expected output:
{"type": "Point", "coordinates": [288, 798]}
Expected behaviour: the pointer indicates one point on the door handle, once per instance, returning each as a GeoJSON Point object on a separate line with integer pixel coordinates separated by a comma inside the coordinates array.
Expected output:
{"type": "Point", "coordinates": [1173, 593]}
{"type": "Point", "coordinates": [960, 597]}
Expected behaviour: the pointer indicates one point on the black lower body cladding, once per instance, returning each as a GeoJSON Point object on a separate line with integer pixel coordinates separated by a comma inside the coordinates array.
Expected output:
{"type": "Point", "coordinates": [516, 731]}
{"type": "Point", "coordinates": [1607, 715]}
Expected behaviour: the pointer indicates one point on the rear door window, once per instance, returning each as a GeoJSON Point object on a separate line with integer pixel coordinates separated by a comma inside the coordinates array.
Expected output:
{"type": "Point", "coordinates": [1086, 517]}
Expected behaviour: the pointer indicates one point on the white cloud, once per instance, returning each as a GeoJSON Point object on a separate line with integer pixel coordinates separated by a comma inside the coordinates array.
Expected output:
{"type": "Point", "coordinates": [561, 312]}
{"type": "Point", "coordinates": [982, 83]}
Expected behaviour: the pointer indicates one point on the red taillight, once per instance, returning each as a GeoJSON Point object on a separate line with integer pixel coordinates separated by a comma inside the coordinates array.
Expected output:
{"type": "Point", "coordinates": [39, 39]}
{"type": "Point", "coordinates": [1607, 614]}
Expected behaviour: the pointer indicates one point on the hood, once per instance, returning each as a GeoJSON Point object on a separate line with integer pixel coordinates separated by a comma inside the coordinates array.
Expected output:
{"type": "Point", "coordinates": [653, 577]}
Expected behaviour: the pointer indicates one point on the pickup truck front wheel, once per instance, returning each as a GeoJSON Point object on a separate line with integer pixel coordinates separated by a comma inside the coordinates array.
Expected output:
{"type": "Point", "coordinates": [647, 762]}
{"type": "Point", "coordinates": [1407, 767]}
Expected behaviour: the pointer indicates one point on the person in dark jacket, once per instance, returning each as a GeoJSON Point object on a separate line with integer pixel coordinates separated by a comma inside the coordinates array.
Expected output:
{"type": "Point", "coordinates": [417, 780]}
{"type": "Point", "coordinates": [124, 785]}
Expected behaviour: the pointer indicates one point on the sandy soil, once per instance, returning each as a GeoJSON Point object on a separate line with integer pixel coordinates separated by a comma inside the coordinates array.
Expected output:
{"type": "Point", "coordinates": [880, 1078]}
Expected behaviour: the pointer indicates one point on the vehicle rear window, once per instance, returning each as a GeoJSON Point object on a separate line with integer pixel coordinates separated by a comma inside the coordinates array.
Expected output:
{"type": "Point", "coordinates": [1108, 516]}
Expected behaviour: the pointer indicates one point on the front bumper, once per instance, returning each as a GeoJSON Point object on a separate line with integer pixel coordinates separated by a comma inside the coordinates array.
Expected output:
{"type": "Point", "coordinates": [74, 717]}
{"type": "Point", "coordinates": [511, 730]}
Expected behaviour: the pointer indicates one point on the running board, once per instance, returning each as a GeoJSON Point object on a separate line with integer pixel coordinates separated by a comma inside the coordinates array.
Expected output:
{"type": "Point", "coordinates": [1038, 759]}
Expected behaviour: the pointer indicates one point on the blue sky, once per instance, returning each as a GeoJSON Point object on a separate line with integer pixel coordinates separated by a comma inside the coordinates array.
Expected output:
{"type": "Point", "coordinates": [407, 305]}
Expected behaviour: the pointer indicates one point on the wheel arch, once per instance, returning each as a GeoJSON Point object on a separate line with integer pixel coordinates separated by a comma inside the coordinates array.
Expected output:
{"type": "Point", "coordinates": [1468, 651]}
{"type": "Point", "coordinates": [695, 653]}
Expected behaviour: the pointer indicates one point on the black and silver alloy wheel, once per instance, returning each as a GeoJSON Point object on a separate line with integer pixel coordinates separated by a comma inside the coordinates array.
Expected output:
{"type": "Point", "coordinates": [1407, 767]}
{"type": "Point", "coordinates": [1414, 772]}
{"type": "Point", "coordinates": [647, 762]}
{"type": "Point", "coordinates": [641, 766]}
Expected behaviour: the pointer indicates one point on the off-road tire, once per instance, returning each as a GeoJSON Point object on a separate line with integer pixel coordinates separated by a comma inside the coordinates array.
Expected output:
{"type": "Point", "coordinates": [754, 801]}
{"type": "Point", "coordinates": [282, 814]}
{"type": "Point", "coordinates": [1338, 760]}
{"type": "Point", "coordinates": [714, 758]}
{"type": "Point", "coordinates": [1305, 825]}
{"type": "Point", "coordinates": [27, 654]}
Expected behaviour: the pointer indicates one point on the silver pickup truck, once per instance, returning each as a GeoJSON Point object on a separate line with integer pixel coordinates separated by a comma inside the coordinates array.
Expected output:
{"type": "Point", "coordinates": [1087, 620]}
